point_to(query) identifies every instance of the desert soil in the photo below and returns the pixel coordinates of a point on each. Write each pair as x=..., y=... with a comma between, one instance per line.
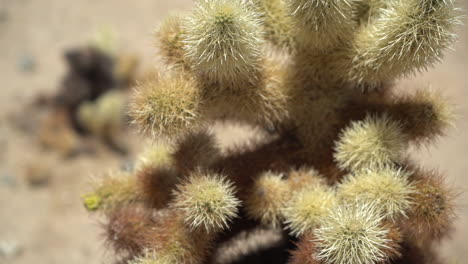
x=47, y=224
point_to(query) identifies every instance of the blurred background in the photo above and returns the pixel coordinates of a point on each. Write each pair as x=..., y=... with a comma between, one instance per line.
x=51, y=142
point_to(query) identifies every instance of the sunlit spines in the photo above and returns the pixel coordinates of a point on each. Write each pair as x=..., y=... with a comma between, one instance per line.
x=303, y=212
x=277, y=22
x=166, y=104
x=114, y=190
x=267, y=198
x=388, y=188
x=368, y=10
x=408, y=36
x=169, y=38
x=375, y=142
x=352, y=235
x=151, y=257
x=223, y=42
x=424, y=115
x=206, y=201
x=155, y=154
x=303, y=178
x=322, y=24
x=433, y=208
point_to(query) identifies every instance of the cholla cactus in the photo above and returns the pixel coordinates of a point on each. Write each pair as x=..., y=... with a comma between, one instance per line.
x=331, y=175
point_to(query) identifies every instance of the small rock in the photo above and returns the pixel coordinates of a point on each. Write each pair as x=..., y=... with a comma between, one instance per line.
x=27, y=63
x=9, y=249
x=38, y=174
x=7, y=179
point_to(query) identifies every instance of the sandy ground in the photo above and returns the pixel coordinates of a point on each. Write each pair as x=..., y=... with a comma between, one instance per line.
x=49, y=224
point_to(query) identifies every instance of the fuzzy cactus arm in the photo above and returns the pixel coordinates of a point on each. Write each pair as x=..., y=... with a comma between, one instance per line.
x=204, y=205
x=223, y=42
x=165, y=165
x=375, y=142
x=126, y=228
x=166, y=104
x=306, y=207
x=297, y=198
x=323, y=24
x=264, y=103
x=159, y=237
x=169, y=41
x=112, y=191
x=389, y=188
x=407, y=36
x=155, y=183
x=425, y=115
x=206, y=201
x=195, y=149
x=432, y=209
x=355, y=234
x=277, y=22
x=305, y=251
x=266, y=198
x=350, y=234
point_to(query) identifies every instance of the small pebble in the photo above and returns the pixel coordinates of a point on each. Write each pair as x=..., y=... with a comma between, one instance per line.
x=37, y=174
x=9, y=249
x=27, y=63
x=7, y=179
